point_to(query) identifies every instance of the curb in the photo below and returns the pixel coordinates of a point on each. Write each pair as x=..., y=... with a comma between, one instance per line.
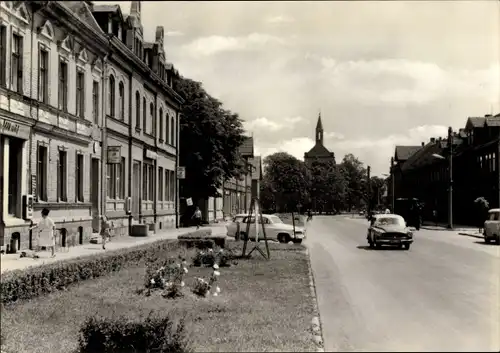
x=315, y=322
x=471, y=235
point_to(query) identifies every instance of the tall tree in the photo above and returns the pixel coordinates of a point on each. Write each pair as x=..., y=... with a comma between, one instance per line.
x=289, y=180
x=355, y=174
x=210, y=137
x=328, y=186
x=377, y=188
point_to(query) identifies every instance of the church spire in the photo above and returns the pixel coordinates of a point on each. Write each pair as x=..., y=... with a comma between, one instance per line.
x=319, y=131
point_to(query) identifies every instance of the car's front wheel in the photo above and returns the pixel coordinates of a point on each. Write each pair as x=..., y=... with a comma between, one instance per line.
x=283, y=238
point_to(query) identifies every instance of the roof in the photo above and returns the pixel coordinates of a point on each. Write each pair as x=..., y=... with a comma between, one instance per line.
x=475, y=122
x=105, y=8
x=246, y=148
x=318, y=151
x=402, y=153
x=493, y=121
x=422, y=157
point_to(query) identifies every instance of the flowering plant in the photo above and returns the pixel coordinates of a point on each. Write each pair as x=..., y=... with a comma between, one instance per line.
x=202, y=287
x=169, y=277
x=211, y=257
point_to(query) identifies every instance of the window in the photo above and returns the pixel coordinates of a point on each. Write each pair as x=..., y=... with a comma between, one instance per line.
x=137, y=110
x=151, y=113
x=112, y=96
x=121, y=101
x=172, y=185
x=160, y=184
x=172, y=131
x=144, y=117
x=161, y=124
x=3, y=55
x=62, y=176
x=41, y=173
x=80, y=94
x=63, y=86
x=115, y=179
x=79, y=177
x=17, y=63
x=148, y=185
x=167, y=129
x=43, y=76
x=494, y=158
x=167, y=185
x=95, y=101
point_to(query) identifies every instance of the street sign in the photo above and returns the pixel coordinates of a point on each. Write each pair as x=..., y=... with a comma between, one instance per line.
x=181, y=172
x=189, y=201
x=114, y=154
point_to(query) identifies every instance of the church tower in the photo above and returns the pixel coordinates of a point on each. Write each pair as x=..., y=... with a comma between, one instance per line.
x=319, y=152
x=319, y=131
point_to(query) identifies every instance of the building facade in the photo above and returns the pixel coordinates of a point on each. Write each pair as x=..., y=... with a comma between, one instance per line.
x=319, y=152
x=69, y=85
x=476, y=171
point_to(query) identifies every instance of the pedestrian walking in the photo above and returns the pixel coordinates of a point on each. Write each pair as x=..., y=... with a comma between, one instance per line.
x=309, y=216
x=197, y=217
x=45, y=233
x=105, y=231
x=435, y=217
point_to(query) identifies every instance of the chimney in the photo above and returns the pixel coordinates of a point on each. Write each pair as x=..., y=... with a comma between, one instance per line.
x=433, y=140
x=423, y=144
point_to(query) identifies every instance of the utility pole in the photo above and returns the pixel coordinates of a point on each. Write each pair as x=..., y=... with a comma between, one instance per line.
x=393, y=184
x=450, y=187
x=369, y=187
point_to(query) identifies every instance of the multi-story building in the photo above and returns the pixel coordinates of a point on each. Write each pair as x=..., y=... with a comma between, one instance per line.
x=476, y=170
x=237, y=192
x=89, y=120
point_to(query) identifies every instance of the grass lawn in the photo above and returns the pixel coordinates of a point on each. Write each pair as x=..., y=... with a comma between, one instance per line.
x=263, y=306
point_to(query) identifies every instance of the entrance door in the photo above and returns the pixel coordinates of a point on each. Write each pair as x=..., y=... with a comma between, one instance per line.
x=136, y=190
x=94, y=193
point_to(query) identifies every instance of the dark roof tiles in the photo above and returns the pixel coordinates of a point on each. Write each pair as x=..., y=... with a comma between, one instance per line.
x=402, y=153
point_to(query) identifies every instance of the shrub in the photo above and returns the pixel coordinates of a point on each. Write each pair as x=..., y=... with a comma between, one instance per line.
x=152, y=334
x=219, y=240
x=169, y=276
x=35, y=281
x=197, y=243
x=202, y=286
x=221, y=257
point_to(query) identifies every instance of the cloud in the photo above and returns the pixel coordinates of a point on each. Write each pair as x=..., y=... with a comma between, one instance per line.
x=211, y=45
x=400, y=81
x=333, y=136
x=295, y=146
x=279, y=19
x=174, y=34
x=265, y=124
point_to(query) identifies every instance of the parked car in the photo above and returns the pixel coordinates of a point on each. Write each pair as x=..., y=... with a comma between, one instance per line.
x=389, y=229
x=232, y=226
x=274, y=226
x=492, y=226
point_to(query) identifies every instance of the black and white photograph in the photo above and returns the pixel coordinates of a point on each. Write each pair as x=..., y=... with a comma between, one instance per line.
x=249, y=176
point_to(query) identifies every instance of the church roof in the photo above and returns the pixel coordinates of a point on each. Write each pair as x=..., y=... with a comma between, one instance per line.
x=319, y=151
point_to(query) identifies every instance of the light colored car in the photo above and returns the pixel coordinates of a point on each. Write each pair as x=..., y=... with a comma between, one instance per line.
x=232, y=226
x=492, y=226
x=274, y=226
x=389, y=229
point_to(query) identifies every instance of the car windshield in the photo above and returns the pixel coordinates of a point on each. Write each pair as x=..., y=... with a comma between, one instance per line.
x=274, y=219
x=494, y=216
x=390, y=221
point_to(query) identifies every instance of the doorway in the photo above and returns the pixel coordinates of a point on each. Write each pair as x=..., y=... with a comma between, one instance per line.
x=136, y=190
x=94, y=193
x=80, y=235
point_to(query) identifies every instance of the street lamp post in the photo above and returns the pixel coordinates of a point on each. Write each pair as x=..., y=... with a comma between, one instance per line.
x=450, y=176
x=369, y=187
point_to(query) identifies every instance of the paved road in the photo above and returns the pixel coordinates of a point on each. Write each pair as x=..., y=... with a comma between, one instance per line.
x=441, y=295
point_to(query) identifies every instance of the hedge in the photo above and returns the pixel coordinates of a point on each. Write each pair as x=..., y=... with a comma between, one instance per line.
x=153, y=334
x=202, y=241
x=35, y=281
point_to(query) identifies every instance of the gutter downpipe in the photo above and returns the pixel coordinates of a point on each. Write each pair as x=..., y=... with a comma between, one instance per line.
x=177, y=144
x=104, y=143
x=130, y=159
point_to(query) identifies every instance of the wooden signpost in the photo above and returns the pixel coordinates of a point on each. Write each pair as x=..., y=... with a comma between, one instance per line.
x=255, y=208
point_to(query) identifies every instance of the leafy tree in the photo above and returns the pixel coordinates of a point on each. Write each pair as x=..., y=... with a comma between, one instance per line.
x=288, y=181
x=210, y=137
x=328, y=186
x=355, y=174
x=377, y=188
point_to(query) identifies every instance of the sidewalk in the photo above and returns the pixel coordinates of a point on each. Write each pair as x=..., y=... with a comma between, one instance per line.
x=11, y=262
x=444, y=226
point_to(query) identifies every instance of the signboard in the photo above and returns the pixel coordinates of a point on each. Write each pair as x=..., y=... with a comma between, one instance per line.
x=114, y=154
x=33, y=184
x=181, y=172
x=11, y=128
x=189, y=201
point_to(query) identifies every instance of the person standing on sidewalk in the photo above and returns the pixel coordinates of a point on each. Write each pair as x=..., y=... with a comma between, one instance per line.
x=45, y=233
x=197, y=217
x=105, y=231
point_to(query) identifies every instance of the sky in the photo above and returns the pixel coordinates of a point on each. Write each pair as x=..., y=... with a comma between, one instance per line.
x=381, y=73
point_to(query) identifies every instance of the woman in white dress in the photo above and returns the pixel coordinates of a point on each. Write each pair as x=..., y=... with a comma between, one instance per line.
x=46, y=229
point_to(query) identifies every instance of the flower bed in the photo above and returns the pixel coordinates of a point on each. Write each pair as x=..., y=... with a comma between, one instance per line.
x=32, y=282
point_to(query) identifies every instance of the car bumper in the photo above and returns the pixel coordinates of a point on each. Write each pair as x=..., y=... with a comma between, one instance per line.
x=394, y=241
